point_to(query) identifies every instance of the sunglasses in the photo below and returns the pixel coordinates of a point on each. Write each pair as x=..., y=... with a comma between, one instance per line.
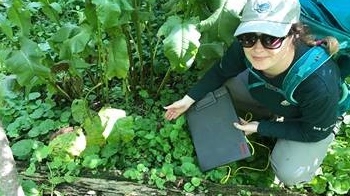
x=248, y=40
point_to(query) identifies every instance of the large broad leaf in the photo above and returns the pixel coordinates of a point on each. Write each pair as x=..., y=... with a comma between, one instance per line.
x=181, y=42
x=112, y=13
x=22, y=148
x=5, y=26
x=123, y=131
x=6, y=86
x=51, y=10
x=91, y=15
x=70, y=39
x=80, y=110
x=224, y=20
x=20, y=17
x=208, y=53
x=118, y=58
x=76, y=43
x=94, y=131
x=26, y=63
x=91, y=122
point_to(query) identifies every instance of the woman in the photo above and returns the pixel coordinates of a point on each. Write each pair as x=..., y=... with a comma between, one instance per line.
x=271, y=39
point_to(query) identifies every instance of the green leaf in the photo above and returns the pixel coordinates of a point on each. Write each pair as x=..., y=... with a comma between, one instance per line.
x=42, y=153
x=20, y=17
x=196, y=181
x=118, y=58
x=38, y=113
x=65, y=116
x=27, y=64
x=33, y=95
x=123, y=130
x=141, y=167
x=109, y=150
x=224, y=20
x=31, y=188
x=168, y=171
x=94, y=131
x=92, y=161
x=133, y=174
x=69, y=179
x=112, y=13
x=56, y=163
x=7, y=84
x=63, y=34
x=319, y=184
x=70, y=39
x=90, y=14
x=51, y=10
x=174, y=135
x=22, y=148
x=189, y=169
x=181, y=42
x=43, y=128
x=340, y=184
x=107, y=12
x=5, y=26
x=208, y=53
x=76, y=43
x=31, y=169
x=188, y=187
x=80, y=110
x=56, y=180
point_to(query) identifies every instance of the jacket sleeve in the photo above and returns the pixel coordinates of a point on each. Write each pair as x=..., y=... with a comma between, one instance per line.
x=230, y=65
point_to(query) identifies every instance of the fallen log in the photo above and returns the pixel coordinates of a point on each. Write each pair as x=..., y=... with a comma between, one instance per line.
x=84, y=186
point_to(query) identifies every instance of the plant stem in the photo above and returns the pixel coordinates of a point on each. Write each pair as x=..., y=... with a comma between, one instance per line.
x=165, y=79
x=59, y=89
x=154, y=53
x=137, y=22
x=132, y=69
x=93, y=88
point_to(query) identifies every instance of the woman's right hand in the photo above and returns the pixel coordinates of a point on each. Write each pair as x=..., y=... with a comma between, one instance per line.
x=178, y=107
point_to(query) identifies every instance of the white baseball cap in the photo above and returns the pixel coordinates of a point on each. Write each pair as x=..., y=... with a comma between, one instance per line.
x=272, y=17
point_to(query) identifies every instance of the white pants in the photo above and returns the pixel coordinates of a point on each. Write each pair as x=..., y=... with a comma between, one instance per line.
x=293, y=162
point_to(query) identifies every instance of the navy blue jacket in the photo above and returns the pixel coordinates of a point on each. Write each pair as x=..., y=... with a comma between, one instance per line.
x=311, y=120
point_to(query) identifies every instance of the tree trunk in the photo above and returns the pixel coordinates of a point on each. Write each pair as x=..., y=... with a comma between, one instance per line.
x=9, y=184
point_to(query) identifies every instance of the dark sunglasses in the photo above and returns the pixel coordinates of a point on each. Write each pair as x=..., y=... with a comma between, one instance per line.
x=248, y=40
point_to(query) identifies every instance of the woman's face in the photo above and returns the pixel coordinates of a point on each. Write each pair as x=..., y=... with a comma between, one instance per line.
x=271, y=61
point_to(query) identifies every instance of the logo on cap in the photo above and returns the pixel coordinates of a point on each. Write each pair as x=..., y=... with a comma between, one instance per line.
x=262, y=7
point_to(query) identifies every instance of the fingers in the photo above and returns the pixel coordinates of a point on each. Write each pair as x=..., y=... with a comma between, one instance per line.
x=239, y=126
x=248, y=127
x=242, y=128
x=242, y=121
x=171, y=114
x=173, y=111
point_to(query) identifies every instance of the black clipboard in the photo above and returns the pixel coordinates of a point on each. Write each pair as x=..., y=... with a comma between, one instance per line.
x=216, y=141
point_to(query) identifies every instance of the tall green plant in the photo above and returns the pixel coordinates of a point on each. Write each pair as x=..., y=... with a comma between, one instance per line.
x=199, y=35
x=103, y=42
x=109, y=39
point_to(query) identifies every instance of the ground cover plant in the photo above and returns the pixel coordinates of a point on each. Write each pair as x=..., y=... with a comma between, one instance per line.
x=84, y=82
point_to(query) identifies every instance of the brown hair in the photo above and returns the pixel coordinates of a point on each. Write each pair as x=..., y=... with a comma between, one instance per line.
x=303, y=33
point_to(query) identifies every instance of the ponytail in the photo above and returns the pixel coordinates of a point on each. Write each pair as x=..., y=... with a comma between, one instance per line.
x=302, y=33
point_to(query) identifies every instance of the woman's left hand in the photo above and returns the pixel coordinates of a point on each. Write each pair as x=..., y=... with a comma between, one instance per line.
x=247, y=127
